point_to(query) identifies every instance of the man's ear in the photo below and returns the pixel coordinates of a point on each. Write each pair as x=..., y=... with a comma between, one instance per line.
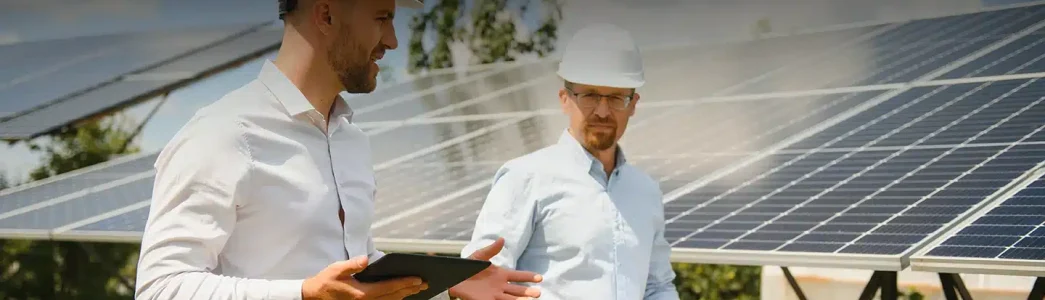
x=634, y=100
x=563, y=97
x=322, y=16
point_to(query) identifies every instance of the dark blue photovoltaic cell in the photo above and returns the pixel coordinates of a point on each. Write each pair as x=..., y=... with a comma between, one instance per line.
x=1015, y=229
x=133, y=221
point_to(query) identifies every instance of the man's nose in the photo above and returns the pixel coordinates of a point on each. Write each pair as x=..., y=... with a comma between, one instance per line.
x=602, y=108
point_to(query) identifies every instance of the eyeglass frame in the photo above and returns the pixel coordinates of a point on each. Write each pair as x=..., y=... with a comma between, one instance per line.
x=577, y=96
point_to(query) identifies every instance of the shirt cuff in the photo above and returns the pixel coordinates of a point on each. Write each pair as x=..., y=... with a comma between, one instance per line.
x=286, y=289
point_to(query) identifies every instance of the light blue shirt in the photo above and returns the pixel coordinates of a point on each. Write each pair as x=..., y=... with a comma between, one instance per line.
x=589, y=237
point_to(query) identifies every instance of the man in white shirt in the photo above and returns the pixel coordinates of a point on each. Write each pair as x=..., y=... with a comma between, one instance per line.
x=577, y=212
x=268, y=193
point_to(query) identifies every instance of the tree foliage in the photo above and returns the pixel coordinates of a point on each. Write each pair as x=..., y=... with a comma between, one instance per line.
x=71, y=270
x=715, y=282
x=489, y=31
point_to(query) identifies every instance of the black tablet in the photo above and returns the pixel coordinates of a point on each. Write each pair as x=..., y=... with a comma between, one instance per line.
x=440, y=272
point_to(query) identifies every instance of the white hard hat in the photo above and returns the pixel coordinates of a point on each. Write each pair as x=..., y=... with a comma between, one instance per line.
x=603, y=55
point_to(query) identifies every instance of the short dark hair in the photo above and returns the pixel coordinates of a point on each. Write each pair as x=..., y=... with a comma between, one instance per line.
x=286, y=6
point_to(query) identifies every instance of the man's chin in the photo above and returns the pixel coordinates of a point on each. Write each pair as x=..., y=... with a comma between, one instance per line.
x=599, y=141
x=362, y=87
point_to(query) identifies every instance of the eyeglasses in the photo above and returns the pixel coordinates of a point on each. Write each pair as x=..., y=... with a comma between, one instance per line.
x=591, y=100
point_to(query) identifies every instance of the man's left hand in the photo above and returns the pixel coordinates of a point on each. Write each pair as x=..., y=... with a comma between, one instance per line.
x=495, y=283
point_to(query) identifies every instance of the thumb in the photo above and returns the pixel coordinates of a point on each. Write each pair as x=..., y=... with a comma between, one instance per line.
x=349, y=267
x=488, y=252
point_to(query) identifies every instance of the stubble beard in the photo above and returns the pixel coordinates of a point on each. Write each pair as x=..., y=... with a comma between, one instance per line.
x=600, y=141
x=351, y=62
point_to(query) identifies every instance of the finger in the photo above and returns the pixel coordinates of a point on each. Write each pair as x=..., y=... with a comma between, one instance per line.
x=488, y=252
x=522, y=291
x=391, y=286
x=522, y=276
x=403, y=293
x=348, y=267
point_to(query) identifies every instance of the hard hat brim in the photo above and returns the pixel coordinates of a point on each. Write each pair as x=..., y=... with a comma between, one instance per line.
x=417, y=4
x=629, y=81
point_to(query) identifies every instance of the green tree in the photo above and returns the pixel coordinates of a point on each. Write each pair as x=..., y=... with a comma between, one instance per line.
x=715, y=282
x=491, y=34
x=72, y=270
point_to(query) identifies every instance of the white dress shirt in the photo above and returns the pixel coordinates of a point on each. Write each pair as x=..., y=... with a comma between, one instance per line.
x=590, y=235
x=246, y=198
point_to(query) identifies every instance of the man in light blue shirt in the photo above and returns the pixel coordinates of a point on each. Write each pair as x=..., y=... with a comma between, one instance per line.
x=577, y=212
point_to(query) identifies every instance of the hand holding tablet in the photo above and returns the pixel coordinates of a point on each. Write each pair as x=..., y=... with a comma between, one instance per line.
x=466, y=278
x=439, y=272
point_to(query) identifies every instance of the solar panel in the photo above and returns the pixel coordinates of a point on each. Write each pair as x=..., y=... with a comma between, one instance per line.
x=249, y=44
x=834, y=194
x=135, y=86
x=1007, y=237
x=95, y=201
x=85, y=105
x=18, y=199
x=64, y=69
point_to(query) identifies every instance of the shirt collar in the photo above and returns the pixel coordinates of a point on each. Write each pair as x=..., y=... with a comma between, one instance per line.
x=583, y=159
x=291, y=97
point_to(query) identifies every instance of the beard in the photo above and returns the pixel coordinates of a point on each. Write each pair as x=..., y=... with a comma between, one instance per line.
x=351, y=62
x=600, y=140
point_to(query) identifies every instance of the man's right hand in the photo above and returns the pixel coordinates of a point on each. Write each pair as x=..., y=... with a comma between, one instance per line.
x=336, y=282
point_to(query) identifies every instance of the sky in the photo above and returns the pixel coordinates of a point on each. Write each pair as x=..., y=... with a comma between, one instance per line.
x=652, y=22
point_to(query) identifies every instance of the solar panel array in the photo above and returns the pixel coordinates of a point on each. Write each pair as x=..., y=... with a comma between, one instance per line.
x=48, y=84
x=848, y=148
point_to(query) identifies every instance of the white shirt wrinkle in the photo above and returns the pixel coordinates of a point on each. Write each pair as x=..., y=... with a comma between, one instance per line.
x=246, y=197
